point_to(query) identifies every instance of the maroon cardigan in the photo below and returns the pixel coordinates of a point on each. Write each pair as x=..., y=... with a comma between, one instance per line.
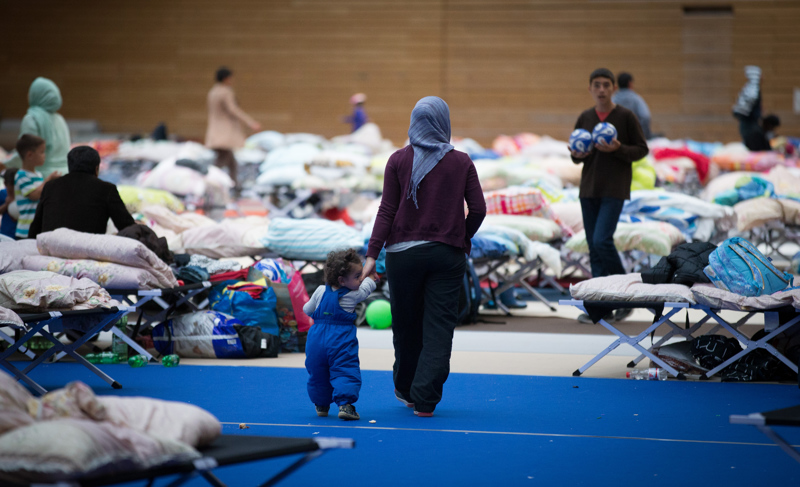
x=440, y=195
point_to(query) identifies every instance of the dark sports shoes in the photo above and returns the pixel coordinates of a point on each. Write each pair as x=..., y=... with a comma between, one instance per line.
x=402, y=399
x=348, y=412
x=584, y=318
x=322, y=411
x=422, y=414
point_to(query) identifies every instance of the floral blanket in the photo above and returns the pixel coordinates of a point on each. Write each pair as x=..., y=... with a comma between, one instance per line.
x=108, y=275
x=39, y=291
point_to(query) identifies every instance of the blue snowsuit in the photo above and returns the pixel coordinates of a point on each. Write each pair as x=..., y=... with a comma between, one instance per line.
x=334, y=374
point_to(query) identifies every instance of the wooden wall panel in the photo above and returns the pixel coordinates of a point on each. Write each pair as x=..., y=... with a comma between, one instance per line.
x=504, y=66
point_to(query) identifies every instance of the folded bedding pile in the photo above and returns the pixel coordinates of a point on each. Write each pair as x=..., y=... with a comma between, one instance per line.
x=70, y=433
x=109, y=260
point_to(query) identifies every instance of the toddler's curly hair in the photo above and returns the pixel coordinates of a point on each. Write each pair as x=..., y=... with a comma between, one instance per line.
x=339, y=264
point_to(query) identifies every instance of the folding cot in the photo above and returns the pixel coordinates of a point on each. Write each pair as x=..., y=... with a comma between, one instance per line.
x=509, y=271
x=166, y=301
x=663, y=313
x=773, y=326
x=224, y=451
x=90, y=322
x=764, y=421
x=772, y=238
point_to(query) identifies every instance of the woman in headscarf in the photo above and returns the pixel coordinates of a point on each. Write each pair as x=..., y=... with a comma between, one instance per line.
x=42, y=120
x=421, y=221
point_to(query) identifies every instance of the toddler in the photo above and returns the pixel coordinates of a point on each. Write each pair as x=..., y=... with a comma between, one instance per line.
x=334, y=374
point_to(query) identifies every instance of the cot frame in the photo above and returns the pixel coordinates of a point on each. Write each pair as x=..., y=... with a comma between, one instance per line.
x=215, y=456
x=765, y=421
x=137, y=298
x=670, y=309
x=35, y=324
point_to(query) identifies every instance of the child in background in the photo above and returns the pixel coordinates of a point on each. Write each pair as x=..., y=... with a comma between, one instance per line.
x=28, y=182
x=8, y=225
x=359, y=116
x=334, y=374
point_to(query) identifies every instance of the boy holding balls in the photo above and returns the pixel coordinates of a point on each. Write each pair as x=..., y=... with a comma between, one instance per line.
x=606, y=176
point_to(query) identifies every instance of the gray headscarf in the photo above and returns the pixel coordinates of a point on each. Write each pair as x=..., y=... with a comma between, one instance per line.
x=429, y=134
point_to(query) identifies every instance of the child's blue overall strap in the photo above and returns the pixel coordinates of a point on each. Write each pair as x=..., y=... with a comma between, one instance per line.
x=328, y=310
x=334, y=373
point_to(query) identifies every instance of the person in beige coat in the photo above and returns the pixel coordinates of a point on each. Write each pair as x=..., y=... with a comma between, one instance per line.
x=225, y=118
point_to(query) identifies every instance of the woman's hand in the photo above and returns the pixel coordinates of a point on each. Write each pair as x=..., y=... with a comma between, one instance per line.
x=369, y=268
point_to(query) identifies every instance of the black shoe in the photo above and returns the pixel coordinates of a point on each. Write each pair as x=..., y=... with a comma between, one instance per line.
x=584, y=318
x=622, y=313
x=322, y=411
x=348, y=412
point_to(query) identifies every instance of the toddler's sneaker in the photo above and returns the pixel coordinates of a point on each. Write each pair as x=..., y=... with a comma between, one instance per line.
x=348, y=412
x=402, y=399
x=322, y=411
x=422, y=414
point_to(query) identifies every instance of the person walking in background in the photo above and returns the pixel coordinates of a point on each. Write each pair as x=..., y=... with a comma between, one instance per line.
x=747, y=110
x=225, y=134
x=631, y=100
x=42, y=120
x=421, y=221
x=606, y=176
x=359, y=116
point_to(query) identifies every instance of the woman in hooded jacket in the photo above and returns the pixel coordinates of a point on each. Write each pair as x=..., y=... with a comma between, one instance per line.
x=43, y=120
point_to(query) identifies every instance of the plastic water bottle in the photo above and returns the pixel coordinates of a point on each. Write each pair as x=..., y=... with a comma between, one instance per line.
x=170, y=360
x=102, y=358
x=118, y=346
x=653, y=373
x=137, y=361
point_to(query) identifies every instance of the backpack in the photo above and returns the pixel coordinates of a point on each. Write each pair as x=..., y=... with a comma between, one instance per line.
x=737, y=266
x=469, y=299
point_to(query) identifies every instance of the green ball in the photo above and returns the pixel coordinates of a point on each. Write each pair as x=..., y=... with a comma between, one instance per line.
x=379, y=314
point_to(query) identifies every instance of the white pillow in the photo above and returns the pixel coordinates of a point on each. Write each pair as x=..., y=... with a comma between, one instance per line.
x=629, y=287
x=714, y=297
x=11, y=254
x=167, y=419
x=65, y=449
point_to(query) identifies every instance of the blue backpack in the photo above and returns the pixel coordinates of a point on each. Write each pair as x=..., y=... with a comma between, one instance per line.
x=737, y=266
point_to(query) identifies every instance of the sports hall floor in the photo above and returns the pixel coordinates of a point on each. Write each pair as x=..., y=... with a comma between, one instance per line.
x=512, y=414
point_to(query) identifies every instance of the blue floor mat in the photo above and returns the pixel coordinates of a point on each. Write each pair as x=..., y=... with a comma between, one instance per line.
x=489, y=429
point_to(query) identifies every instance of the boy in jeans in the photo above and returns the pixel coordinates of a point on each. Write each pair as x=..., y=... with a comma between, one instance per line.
x=28, y=182
x=606, y=176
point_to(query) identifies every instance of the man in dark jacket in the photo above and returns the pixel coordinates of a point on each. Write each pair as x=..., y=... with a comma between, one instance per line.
x=80, y=200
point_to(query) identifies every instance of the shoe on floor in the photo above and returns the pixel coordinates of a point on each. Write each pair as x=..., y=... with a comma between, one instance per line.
x=402, y=399
x=622, y=313
x=348, y=412
x=322, y=411
x=423, y=414
x=584, y=318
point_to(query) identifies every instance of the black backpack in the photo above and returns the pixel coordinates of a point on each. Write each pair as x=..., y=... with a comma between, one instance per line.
x=469, y=300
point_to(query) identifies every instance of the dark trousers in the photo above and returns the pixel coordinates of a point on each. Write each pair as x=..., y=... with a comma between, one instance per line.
x=424, y=285
x=225, y=158
x=600, y=217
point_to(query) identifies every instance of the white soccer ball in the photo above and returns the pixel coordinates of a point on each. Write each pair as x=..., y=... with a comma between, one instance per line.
x=605, y=132
x=580, y=140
